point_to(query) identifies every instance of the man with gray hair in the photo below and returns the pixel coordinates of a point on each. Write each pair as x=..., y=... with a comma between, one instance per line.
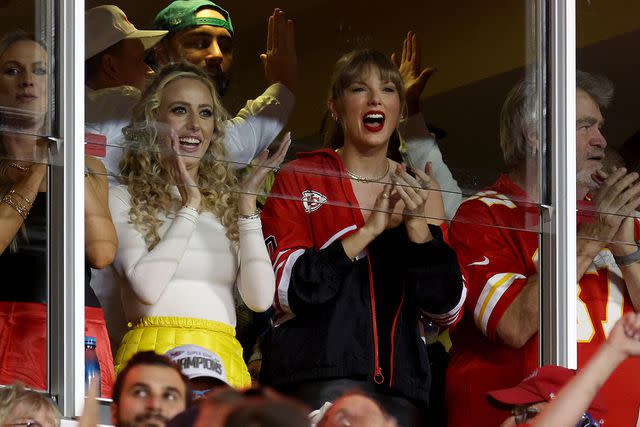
x=495, y=234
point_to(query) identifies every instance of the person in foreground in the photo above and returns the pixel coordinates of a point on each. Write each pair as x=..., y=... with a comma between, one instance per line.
x=21, y=407
x=558, y=397
x=355, y=255
x=354, y=409
x=149, y=391
x=189, y=232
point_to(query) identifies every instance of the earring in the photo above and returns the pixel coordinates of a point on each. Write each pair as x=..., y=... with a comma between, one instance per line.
x=334, y=117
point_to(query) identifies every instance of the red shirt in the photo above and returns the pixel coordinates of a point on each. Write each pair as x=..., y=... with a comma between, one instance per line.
x=495, y=235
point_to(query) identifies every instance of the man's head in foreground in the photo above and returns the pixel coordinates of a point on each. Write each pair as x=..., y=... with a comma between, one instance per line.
x=149, y=391
x=355, y=409
x=115, y=49
x=527, y=399
x=200, y=32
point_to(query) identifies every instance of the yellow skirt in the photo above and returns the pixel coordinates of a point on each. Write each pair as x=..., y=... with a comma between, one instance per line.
x=161, y=334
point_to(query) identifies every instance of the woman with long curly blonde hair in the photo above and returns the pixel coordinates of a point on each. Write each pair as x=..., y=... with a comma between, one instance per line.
x=189, y=232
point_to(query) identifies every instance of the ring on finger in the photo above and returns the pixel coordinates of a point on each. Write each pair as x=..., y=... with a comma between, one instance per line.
x=385, y=195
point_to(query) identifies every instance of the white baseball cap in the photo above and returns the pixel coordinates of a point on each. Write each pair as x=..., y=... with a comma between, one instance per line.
x=195, y=361
x=107, y=25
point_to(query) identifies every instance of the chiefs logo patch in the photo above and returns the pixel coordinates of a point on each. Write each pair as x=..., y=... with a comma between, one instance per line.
x=312, y=200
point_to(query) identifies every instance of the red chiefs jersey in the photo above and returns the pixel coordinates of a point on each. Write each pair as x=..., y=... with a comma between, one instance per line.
x=495, y=237
x=602, y=300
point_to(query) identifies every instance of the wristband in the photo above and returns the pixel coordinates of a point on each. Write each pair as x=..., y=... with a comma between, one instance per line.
x=192, y=208
x=254, y=215
x=632, y=258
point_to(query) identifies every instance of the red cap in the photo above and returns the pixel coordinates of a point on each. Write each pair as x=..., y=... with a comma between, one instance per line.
x=542, y=385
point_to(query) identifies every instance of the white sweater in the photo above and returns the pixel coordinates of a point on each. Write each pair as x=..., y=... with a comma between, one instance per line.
x=192, y=271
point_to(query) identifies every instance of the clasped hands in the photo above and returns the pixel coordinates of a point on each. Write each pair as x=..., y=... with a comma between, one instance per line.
x=408, y=199
x=616, y=201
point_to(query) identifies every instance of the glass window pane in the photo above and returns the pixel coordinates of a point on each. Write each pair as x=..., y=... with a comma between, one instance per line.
x=27, y=135
x=608, y=227
x=490, y=165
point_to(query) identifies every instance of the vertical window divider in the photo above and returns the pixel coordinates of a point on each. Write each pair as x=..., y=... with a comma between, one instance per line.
x=558, y=183
x=67, y=259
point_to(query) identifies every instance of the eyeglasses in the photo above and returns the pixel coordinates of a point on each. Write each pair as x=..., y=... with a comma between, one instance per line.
x=26, y=423
x=588, y=421
x=524, y=413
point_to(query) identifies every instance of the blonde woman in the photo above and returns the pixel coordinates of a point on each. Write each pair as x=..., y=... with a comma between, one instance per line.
x=21, y=407
x=189, y=232
x=24, y=77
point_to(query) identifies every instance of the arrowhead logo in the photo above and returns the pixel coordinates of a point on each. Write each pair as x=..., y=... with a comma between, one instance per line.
x=312, y=200
x=485, y=261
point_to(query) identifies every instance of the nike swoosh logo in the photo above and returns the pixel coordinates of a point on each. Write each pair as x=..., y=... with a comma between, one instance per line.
x=485, y=261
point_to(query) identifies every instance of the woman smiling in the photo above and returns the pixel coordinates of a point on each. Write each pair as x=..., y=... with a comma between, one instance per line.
x=187, y=233
x=357, y=256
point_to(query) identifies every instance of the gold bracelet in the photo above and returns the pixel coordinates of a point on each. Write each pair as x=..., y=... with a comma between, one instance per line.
x=23, y=210
x=26, y=199
x=19, y=167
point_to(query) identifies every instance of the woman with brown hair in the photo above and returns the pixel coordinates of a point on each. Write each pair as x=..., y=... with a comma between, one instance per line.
x=358, y=255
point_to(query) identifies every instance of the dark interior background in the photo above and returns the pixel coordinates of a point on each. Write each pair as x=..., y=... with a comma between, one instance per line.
x=479, y=49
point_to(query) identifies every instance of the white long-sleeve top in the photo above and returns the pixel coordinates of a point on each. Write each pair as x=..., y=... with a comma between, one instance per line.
x=192, y=271
x=421, y=148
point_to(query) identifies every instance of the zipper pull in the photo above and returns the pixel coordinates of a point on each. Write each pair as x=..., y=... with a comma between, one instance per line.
x=378, y=378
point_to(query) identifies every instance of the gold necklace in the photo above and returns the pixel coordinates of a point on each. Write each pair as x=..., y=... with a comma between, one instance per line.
x=365, y=179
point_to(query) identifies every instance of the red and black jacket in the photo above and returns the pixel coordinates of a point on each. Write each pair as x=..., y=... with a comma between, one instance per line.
x=339, y=318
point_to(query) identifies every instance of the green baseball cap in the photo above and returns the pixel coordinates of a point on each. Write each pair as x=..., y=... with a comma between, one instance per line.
x=181, y=14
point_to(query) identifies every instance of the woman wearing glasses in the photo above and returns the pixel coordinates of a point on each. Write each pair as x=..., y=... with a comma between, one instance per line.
x=26, y=408
x=558, y=397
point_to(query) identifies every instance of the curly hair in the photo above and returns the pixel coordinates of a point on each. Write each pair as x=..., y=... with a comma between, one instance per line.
x=146, y=172
x=32, y=402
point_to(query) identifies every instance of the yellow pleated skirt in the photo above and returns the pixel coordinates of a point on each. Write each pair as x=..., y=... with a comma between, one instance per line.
x=161, y=334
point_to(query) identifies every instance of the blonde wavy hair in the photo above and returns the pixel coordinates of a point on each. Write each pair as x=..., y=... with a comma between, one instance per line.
x=145, y=169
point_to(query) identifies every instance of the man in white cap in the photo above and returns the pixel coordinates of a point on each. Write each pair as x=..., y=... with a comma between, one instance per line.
x=204, y=368
x=114, y=49
x=115, y=72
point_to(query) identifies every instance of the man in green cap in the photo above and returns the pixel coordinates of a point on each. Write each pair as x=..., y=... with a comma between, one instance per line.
x=201, y=32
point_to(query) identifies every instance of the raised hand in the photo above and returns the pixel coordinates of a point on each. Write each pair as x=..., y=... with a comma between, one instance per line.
x=253, y=181
x=90, y=411
x=188, y=188
x=625, y=335
x=413, y=76
x=280, y=61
